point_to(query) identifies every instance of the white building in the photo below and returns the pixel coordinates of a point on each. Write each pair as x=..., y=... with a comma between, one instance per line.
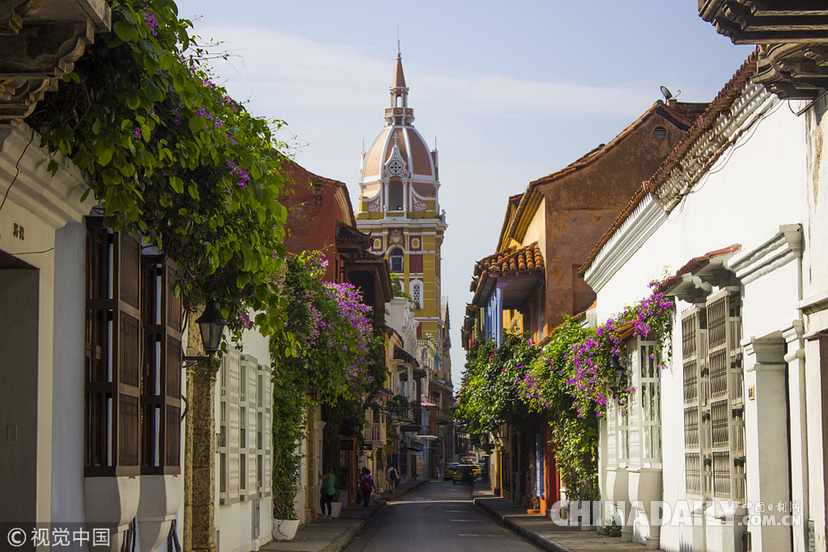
x=724, y=429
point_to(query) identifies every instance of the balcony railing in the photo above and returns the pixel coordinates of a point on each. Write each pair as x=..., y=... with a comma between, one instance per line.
x=374, y=433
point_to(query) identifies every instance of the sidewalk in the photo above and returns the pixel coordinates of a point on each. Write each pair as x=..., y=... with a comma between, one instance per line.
x=333, y=535
x=542, y=531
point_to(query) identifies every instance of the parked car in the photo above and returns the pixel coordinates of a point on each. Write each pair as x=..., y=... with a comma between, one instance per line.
x=465, y=473
x=475, y=470
x=448, y=473
x=460, y=474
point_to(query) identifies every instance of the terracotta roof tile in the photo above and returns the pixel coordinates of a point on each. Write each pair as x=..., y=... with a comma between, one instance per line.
x=693, y=264
x=525, y=259
x=723, y=101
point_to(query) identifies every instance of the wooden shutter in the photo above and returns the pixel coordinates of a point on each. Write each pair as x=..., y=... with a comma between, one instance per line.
x=113, y=352
x=161, y=378
x=99, y=388
x=231, y=364
x=693, y=345
x=726, y=400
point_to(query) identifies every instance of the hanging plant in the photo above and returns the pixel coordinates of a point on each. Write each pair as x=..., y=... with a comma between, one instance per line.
x=170, y=155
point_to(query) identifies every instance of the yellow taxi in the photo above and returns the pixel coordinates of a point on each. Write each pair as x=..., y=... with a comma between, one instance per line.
x=462, y=469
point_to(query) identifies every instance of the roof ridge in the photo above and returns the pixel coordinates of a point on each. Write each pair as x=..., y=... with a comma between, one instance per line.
x=723, y=100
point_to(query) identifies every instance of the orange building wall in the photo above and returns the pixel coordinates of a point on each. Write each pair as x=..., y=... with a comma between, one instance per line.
x=313, y=212
x=581, y=206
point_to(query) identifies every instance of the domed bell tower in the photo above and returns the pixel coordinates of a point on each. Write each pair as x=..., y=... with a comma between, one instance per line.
x=399, y=205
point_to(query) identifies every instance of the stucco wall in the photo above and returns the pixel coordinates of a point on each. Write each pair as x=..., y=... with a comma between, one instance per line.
x=581, y=206
x=748, y=193
x=68, y=375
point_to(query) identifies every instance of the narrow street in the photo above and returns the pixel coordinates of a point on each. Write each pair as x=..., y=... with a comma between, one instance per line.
x=440, y=516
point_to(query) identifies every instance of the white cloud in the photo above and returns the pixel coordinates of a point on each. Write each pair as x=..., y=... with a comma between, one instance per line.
x=296, y=72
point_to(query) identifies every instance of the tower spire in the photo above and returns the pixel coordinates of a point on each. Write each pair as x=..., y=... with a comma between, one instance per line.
x=399, y=113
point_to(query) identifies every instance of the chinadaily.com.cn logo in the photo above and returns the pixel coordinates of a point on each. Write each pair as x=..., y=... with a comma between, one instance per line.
x=682, y=512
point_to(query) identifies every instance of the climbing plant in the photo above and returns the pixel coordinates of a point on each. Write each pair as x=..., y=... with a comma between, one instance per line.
x=489, y=394
x=570, y=379
x=169, y=154
x=328, y=354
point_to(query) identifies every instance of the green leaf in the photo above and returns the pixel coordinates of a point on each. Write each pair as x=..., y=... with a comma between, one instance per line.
x=133, y=101
x=177, y=184
x=96, y=126
x=124, y=31
x=242, y=279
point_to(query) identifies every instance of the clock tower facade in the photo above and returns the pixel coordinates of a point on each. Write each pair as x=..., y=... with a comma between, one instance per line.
x=399, y=206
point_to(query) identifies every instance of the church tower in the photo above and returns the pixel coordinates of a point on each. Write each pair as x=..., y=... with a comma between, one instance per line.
x=399, y=205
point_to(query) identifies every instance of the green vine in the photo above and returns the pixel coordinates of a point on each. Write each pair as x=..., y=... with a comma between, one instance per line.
x=331, y=352
x=570, y=379
x=489, y=394
x=170, y=155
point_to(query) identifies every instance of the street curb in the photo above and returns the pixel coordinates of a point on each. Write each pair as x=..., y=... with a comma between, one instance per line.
x=531, y=536
x=345, y=538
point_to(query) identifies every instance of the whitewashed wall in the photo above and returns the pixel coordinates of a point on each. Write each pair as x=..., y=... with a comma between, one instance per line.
x=746, y=195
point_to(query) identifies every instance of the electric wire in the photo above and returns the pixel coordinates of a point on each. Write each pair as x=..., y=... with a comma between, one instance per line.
x=17, y=169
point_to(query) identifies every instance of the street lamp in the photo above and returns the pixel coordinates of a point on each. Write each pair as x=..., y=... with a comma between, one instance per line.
x=620, y=371
x=211, y=323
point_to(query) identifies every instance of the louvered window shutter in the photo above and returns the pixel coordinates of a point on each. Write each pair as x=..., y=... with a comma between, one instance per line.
x=113, y=352
x=713, y=398
x=692, y=355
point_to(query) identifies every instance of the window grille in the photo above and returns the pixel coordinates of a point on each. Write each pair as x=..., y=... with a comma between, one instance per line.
x=713, y=398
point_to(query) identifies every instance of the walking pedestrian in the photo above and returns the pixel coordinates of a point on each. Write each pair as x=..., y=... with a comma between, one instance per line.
x=366, y=486
x=328, y=491
x=393, y=477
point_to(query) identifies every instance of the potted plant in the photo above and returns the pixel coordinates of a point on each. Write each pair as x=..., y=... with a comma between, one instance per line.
x=336, y=505
x=285, y=485
x=288, y=423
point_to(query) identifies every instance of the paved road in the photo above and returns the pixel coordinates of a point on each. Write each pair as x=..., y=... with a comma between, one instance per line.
x=436, y=517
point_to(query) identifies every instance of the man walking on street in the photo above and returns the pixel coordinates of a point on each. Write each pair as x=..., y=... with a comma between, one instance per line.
x=393, y=477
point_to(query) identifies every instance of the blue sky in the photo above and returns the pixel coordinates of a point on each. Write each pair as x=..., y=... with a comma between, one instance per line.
x=510, y=91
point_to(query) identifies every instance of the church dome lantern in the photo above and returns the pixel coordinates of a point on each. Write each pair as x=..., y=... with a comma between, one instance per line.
x=399, y=151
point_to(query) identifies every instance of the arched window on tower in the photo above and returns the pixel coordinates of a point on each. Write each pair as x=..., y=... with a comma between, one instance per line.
x=395, y=257
x=395, y=196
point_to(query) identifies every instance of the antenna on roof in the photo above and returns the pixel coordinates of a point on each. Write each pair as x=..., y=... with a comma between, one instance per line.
x=398, y=40
x=669, y=95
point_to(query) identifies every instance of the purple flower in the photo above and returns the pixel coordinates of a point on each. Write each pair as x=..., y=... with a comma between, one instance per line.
x=137, y=132
x=152, y=23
